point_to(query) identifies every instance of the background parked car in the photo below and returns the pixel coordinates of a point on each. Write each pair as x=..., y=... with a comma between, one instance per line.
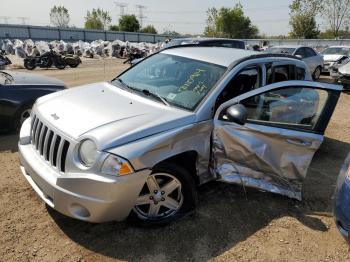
x=218, y=42
x=313, y=60
x=18, y=92
x=333, y=55
x=340, y=72
x=342, y=200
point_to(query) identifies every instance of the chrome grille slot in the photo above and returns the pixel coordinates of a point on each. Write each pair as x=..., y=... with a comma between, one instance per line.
x=49, y=145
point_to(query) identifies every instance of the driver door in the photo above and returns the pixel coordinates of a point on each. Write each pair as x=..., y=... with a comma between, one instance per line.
x=283, y=128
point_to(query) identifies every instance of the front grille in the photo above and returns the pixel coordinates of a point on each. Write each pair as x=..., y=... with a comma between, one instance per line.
x=49, y=145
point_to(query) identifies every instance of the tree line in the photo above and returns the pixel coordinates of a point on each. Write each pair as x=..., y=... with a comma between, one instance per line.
x=101, y=20
x=305, y=18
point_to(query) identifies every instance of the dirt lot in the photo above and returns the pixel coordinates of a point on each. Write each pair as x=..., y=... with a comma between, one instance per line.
x=227, y=226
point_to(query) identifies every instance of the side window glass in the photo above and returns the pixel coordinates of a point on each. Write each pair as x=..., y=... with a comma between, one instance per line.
x=246, y=80
x=279, y=73
x=311, y=52
x=301, y=73
x=301, y=52
x=295, y=107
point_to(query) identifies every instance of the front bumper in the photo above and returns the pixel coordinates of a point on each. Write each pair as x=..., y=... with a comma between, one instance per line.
x=327, y=67
x=89, y=197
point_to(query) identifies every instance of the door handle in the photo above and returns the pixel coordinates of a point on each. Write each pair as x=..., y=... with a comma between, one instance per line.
x=299, y=142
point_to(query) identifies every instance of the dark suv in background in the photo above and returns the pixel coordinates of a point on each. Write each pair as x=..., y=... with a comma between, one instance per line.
x=218, y=42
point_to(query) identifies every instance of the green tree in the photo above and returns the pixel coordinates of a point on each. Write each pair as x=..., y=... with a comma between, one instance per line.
x=59, y=16
x=229, y=22
x=114, y=28
x=303, y=18
x=150, y=29
x=337, y=15
x=129, y=23
x=97, y=19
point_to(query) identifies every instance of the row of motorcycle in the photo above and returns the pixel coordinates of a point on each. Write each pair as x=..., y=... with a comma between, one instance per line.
x=46, y=60
x=51, y=58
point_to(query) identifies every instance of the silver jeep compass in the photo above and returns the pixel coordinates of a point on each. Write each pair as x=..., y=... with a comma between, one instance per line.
x=140, y=145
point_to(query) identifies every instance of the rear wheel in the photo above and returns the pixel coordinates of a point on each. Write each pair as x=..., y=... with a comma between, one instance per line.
x=60, y=66
x=60, y=63
x=73, y=65
x=168, y=194
x=317, y=73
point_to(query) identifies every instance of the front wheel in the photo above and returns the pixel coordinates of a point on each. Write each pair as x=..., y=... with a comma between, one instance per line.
x=60, y=63
x=168, y=193
x=74, y=65
x=317, y=73
x=30, y=64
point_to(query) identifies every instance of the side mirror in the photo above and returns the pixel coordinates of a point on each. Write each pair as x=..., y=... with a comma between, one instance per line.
x=237, y=113
x=299, y=56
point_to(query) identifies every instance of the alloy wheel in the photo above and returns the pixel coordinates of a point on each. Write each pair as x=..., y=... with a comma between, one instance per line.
x=161, y=197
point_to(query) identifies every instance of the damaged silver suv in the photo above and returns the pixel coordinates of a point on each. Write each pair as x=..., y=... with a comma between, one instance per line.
x=140, y=145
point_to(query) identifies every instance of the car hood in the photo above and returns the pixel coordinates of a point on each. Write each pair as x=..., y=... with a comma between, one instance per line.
x=332, y=58
x=345, y=69
x=109, y=115
x=33, y=79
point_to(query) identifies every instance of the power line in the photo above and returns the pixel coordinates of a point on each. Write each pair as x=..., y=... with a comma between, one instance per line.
x=141, y=16
x=205, y=11
x=121, y=8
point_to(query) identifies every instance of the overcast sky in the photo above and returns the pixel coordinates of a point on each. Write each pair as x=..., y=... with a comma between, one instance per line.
x=184, y=16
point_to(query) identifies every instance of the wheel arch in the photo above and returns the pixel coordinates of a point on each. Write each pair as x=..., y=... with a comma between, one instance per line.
x=186, y=159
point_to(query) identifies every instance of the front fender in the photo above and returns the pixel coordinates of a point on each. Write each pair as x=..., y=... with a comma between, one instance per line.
x=147, y=152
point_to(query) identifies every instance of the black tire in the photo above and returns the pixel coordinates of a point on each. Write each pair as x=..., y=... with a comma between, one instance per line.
x=30, y=64
x=317, y=73
x=188, y=189
x=73, y=65
x=60, y=66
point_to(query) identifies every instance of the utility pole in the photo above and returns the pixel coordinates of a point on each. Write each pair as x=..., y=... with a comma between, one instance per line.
x=121, y=8
x=5, y=19
x=23, y=19
x=141, y=16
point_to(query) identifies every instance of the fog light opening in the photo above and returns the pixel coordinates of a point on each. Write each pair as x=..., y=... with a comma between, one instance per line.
x=79, y=211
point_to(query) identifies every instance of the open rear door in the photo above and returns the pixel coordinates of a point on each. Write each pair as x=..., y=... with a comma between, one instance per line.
x=273, y=148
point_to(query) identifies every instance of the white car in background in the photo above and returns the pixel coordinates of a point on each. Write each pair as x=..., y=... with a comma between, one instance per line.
x=334, y=55
x=313, y=60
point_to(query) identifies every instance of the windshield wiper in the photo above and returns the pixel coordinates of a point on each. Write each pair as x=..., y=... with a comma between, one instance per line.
x=126, y=86
x=155, y=95
x=144, y=91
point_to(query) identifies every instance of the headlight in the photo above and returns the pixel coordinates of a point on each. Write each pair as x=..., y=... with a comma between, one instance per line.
x=87, y=153
x=116, y=166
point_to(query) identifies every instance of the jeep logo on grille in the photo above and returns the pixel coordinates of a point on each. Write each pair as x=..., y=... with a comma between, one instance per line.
x=55, y=117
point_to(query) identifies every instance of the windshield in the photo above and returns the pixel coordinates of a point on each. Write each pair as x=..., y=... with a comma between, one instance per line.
x=5, y=78
x=336, y=51
x=281, y=50
x=179, y=81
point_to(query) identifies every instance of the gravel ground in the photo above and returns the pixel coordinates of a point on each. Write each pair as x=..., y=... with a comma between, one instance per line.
x=228, y=225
